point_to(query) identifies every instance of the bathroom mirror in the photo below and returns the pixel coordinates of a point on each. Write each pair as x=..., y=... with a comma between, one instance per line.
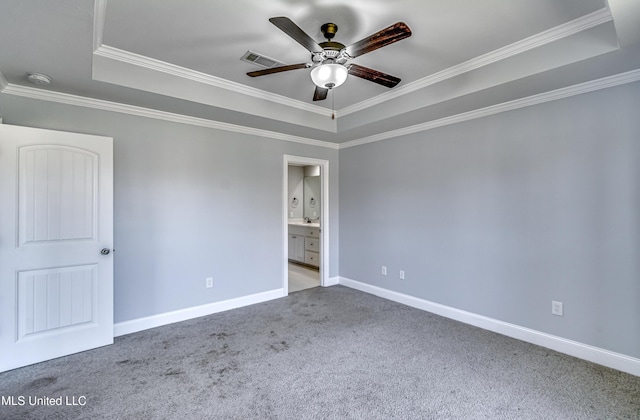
x=311, y=197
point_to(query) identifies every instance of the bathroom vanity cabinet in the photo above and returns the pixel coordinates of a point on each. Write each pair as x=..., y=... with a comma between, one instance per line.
x=304, y=244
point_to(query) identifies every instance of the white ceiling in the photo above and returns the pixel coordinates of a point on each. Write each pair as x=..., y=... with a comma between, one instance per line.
x=184, y=57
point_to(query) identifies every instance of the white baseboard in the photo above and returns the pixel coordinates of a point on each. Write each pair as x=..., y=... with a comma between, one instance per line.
x=573, y=348
x=332, y=281
x=140, y=324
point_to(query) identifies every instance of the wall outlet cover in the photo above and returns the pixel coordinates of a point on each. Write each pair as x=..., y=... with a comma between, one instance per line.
x=556, y=308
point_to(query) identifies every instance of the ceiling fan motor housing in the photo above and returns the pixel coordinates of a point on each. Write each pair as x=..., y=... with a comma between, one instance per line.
x=331, y=50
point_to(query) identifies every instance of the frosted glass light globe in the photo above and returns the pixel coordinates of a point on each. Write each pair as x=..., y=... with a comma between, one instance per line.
x=329, y=76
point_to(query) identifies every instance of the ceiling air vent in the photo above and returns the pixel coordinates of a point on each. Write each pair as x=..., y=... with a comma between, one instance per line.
x=260, y=60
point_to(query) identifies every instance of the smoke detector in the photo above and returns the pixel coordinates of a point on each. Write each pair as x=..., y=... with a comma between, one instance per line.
x=39, y=79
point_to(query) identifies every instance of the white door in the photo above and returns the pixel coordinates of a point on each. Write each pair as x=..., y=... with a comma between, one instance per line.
x=56, y=216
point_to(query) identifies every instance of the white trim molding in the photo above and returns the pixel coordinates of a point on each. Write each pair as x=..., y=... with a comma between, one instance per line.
x=149, y=63
x=67, y=99
x=546, y=37
x=99, y=17
x=324, y=216
x=140, y=324
x=64, y=98
x=554, y=95
x=593, y=354
x=565, y=30
x=332, y=281
x=3, y=82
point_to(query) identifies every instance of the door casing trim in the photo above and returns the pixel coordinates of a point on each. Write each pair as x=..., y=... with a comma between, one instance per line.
x=324, y=217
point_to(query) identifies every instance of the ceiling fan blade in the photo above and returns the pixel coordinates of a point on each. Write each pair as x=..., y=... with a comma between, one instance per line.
x=288, y=27
x=375, y=76
x=393, y=33
x=320, y=93
x=278, y=69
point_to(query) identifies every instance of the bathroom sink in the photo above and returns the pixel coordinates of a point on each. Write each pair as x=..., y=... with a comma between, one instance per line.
x=303, y=223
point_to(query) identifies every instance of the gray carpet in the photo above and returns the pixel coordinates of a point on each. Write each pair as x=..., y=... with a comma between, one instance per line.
x=323, y=353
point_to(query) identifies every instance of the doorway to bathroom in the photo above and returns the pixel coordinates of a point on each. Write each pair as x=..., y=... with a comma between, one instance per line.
x=305, y=223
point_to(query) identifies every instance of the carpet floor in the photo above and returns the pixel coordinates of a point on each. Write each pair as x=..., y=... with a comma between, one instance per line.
x=322, y=353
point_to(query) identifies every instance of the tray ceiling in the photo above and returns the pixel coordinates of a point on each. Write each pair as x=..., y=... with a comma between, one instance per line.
x=183, y=58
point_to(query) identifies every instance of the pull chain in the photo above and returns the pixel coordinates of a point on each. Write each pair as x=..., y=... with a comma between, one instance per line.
x=333, y=106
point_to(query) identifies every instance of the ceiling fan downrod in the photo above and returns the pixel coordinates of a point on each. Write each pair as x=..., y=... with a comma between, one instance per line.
x=329, y=30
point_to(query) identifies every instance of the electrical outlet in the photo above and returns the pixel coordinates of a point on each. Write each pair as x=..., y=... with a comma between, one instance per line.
x=209, y=283
x=556, y=308
x=401, y=274
x=383, y=271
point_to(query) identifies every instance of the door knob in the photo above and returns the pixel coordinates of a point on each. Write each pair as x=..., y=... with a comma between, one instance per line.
x=105, y=251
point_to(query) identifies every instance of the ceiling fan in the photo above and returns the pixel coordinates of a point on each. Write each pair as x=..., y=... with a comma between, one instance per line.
x=329, y=60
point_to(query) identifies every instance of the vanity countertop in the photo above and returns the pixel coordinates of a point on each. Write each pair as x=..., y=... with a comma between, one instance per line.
x=303, y=223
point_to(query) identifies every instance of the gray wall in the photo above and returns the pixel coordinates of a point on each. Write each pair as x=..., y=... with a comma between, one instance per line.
x=501, y=215
x=497, y=216
x=185, y=206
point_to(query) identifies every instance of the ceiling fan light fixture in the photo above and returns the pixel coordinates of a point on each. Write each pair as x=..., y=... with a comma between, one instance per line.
x=329, y=76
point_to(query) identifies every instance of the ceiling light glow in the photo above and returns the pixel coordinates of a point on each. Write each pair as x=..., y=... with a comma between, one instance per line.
x=329, y=76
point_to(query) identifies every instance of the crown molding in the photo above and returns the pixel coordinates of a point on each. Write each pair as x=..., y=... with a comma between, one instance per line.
x=573, y=27
x=68, y=99
x=3, y=82
x=99, y=18
x=100, y=14
x=626, y=15
x=598, y=84
x=196, y=76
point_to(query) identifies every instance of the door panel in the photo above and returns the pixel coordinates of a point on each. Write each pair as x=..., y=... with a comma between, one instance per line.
x=56, y=298
x=56, y=214
x=58, y=194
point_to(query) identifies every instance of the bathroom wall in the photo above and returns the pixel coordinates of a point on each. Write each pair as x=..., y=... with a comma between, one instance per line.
x=312, y=192
x=299, y=190
x=296, y=190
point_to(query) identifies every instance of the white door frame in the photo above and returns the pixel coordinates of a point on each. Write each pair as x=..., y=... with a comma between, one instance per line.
x=324, y=217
